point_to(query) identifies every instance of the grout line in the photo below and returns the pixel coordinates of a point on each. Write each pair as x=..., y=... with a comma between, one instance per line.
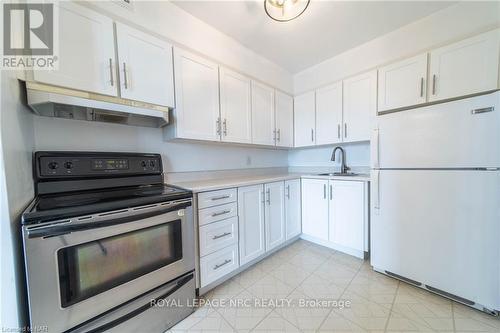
x=392, y=306
x=453, y=315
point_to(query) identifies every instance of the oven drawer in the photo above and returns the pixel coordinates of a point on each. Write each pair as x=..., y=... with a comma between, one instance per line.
x=214, y=198
x=218, y=235
x=218, y=264
x=212, y=214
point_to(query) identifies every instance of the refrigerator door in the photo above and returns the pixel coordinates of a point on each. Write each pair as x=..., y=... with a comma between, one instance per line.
x=458, y=134
x=439, y=228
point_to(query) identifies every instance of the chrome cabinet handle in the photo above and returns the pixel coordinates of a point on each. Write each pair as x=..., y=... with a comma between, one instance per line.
x=221, y=213
x=125, y=77
x=227, y=196
x=338, y=131
x=345, y=130
x=268, y=194
x=288, y=191
x=422, y=87
x=217, y=124
x=331, y=192
x=224, y=124
x=274, y=135
x=324, y=191
x=279, y=135
x=483, y=110
x=434, y=84
x=111, y=76
x=227, y=261
x=221, y=235
x=312, y=135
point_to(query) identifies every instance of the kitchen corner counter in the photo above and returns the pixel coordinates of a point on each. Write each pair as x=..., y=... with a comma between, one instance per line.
x=220, y=183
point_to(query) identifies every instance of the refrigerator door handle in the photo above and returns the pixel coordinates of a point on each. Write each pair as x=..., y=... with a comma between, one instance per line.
x=375, y=147
x=376, y=189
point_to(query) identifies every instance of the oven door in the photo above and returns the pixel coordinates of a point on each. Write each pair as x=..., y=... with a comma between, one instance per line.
x=79, y=268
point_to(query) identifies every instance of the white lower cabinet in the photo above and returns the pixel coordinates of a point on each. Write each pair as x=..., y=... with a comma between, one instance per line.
x=335, y=213
x=274, y=214
x=218, y=235
x=347, y=214
x=315, y=208
x=216, y=265
x=251, y=222
x=293, y=219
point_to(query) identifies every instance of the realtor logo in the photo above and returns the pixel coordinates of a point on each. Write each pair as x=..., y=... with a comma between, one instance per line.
x=28, y=36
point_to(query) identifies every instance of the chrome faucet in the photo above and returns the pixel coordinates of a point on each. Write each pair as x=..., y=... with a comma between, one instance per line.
x=343, y=167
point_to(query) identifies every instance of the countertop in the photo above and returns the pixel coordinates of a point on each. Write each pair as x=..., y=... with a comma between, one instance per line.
x=222, y=183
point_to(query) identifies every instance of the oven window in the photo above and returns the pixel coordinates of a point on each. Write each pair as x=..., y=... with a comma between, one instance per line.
x=90, y=268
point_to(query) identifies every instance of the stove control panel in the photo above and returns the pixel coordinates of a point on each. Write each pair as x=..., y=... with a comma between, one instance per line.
x=96, y=164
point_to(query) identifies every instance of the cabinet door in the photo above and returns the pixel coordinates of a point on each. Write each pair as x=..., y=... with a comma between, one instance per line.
x=196, y=97
x=464, y=68
x=235, y=107
x=315, y=208
x=86, y=57
x=403, y=83
x=329, y=114
x=146, y=67
x=347, y=214
x=262, y=114
x=360, y=106
x=293, y=221
x=274, y=214
x=284, y=120
x=251, y=222
x=304, y=109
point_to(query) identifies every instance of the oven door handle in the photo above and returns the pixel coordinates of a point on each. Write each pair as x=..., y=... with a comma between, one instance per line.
x=64, y=228
x=138, y=311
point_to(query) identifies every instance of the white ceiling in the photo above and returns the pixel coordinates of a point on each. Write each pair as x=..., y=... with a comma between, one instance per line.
x=326, y=28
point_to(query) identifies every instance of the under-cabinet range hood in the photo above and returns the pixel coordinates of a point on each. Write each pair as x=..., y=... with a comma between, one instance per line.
x=52, y=101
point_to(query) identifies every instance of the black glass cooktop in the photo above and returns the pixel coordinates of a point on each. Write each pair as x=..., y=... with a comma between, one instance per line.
x=64, y=205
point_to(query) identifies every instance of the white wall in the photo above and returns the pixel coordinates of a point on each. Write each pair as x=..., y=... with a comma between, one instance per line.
x=16, y=130
x=63, y=134
x=357, y=155
x=183, y=29
x=448, y=25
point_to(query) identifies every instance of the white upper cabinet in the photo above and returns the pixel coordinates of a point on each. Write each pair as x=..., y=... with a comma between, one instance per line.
x=145, y=67
x=86, y=52
x=274, y=214
x=284, y=120
x=347, y=214
x=315, y=208
x=262, y=114
x=329, y=114
x=196, y=96
x=235, y=107
x=305, y=119
x=293, y=221
x=360, y=106
x=251, y=223
x=464, y=68
x=403, y=83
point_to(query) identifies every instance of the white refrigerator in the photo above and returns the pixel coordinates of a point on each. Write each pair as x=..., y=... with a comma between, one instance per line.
x=435, y=198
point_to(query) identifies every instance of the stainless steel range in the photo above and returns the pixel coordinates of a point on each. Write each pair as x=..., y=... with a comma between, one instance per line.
x=104, y=241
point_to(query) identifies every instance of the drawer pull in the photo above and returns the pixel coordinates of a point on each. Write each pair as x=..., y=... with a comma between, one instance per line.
x=222, y=235
x=221, y=213
x=227, y=261
x=483, y=110
x=227, y=196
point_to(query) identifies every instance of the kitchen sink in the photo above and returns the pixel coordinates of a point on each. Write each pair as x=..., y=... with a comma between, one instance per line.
x=347, y=174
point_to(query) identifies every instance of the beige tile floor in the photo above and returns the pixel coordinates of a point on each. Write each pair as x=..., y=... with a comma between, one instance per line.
x=307, y=271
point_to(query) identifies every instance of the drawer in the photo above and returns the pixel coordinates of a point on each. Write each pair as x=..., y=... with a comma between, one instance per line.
x=217, y=213
x=214, y=198
x=218, y=264
x=218, y=235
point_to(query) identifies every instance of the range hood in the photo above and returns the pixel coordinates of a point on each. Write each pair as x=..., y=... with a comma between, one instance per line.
x=52, y=101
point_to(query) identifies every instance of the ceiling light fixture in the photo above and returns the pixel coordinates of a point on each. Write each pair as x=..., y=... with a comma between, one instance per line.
x=285, y=10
